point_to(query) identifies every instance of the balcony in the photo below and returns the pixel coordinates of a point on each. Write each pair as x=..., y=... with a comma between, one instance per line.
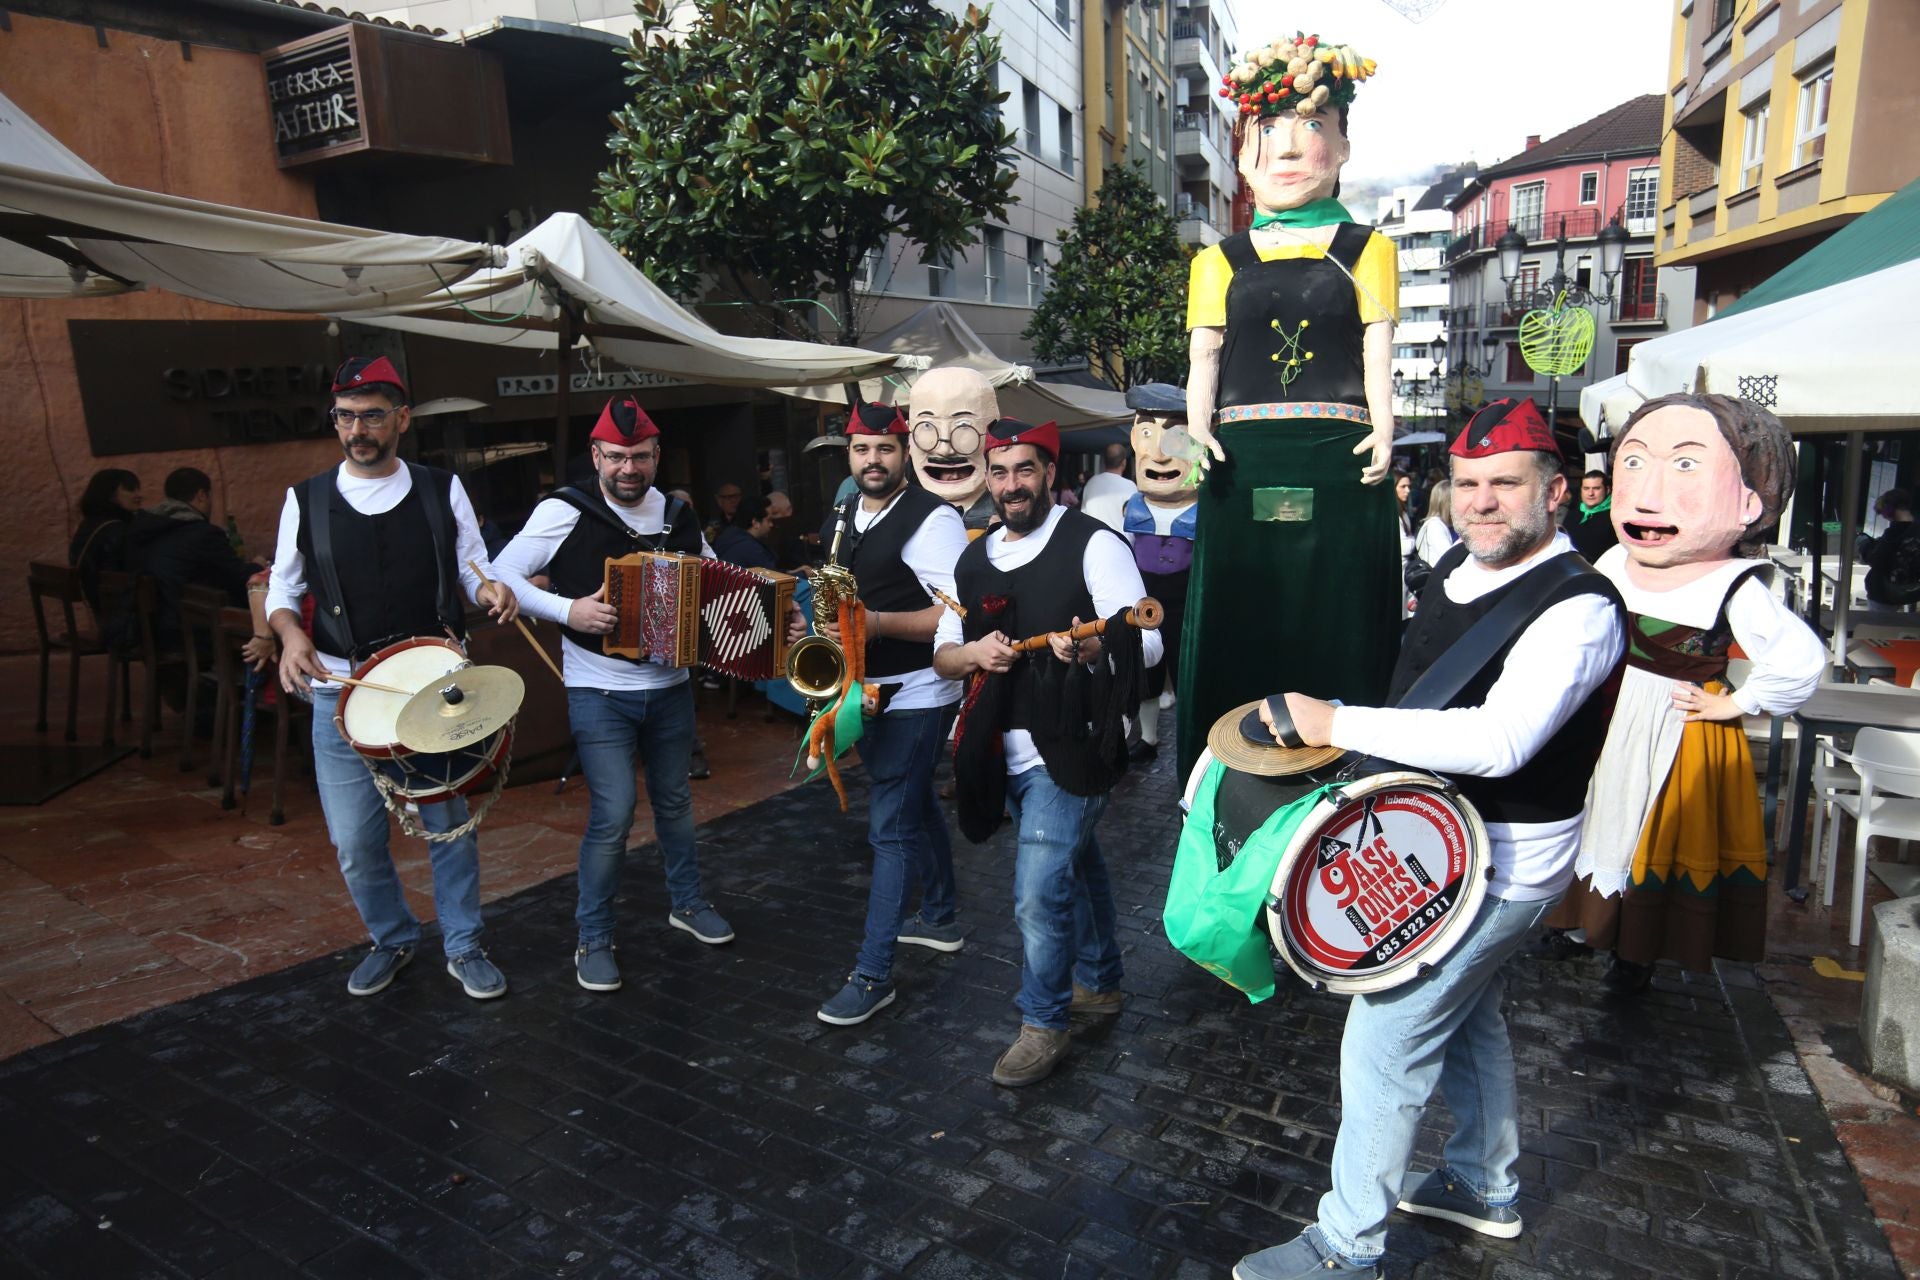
x=1196, y=229
x=1193, y=140
x=1649, y=312
x=1581, y=224
x=1190, y=50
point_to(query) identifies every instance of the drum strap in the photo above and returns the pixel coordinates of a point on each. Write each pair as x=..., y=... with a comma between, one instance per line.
x=320, y=491
x=1558, y=579
x=448, y=597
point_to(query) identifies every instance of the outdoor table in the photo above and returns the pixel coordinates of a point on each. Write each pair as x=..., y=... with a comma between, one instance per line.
x=1867, y=662
x=1833, y=709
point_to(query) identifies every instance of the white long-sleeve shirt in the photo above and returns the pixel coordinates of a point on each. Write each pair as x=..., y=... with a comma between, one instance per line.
x=1556, y=664
x=1113, y=580
x=533, y=549
x=370, y=498
x=931, y=552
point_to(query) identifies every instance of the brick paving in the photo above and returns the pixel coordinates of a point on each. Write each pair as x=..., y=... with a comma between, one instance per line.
x=701, y=1123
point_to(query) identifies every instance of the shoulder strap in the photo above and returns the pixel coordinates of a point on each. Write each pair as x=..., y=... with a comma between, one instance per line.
x=586, y=506
x=1239, y=251
x=1348, y=243
x=440, y=522
x=320, y=491
x=1560, y=578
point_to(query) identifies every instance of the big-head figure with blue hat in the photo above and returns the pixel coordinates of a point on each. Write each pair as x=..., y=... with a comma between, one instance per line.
x=1159, y=521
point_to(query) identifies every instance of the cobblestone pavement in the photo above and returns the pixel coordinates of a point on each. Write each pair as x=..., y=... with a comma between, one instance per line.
x=702, y=1123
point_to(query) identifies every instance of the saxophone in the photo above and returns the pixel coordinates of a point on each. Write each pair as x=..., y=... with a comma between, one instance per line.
x=815, y=663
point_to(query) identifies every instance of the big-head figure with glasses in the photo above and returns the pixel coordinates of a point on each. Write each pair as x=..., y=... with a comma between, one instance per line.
x=387, y=550
x=624, y=712
x=948, y=416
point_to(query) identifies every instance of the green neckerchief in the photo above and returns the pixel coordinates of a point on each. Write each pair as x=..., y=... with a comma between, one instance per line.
x=1314, y=213
x=1606, y=504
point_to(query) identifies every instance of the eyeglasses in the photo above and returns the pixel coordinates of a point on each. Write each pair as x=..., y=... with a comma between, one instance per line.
x=960, y=440
x=347, y=417
x=624, y=461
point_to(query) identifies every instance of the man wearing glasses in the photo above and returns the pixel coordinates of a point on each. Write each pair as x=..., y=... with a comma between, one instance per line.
x=621, y=709
x=385, y=548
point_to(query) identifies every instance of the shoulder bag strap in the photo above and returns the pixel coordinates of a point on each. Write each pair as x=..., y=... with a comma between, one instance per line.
x=586, y=506
x=320, y=491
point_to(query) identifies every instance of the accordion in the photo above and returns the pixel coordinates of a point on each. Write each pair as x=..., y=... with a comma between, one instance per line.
x=656, y=600
x=743, y=620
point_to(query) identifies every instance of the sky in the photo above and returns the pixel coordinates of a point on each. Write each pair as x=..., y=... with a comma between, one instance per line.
x=1475, y=77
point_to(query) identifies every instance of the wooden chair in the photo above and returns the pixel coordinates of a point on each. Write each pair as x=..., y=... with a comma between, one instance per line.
x=136, y=599
x=61, y=584
x=230, y=666
x=200, y=644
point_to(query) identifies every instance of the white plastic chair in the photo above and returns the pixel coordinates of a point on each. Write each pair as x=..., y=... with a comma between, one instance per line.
x=1888, y=804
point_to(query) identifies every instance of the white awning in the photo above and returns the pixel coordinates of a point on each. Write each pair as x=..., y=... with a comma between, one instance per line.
x=628, y=319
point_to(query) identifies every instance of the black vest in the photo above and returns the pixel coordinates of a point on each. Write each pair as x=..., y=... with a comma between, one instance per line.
x=1268, y=355
x=1045, y=594
x=579, y=567
x=887, y=583
x=392, y=576
x=1553, y=785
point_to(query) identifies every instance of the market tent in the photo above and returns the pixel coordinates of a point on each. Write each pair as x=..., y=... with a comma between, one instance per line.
x=937, y=333
x=65, y=231
x=624, y=316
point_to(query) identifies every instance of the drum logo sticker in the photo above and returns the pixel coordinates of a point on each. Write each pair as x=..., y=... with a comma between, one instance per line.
x=1386, y=871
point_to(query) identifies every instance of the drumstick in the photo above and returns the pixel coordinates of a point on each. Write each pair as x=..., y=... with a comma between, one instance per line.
x=368, y=684
x=959, y=610
x=520, y=622
x=1146, y=615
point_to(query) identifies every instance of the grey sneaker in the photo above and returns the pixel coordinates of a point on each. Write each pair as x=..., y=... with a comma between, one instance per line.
x=703, y=922
x=375, y=973
x=941, y=937
x=1032, y=1057
x=1442, y=1196
x=478, y=976
x=1300, y=1258
x=595, y=967
x=859, y=1000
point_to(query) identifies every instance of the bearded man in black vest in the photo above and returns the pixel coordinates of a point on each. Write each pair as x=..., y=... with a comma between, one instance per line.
x=1045, y=733
x=899, y=541
x=620, y=709
x=1520, y=739
x=386, y=548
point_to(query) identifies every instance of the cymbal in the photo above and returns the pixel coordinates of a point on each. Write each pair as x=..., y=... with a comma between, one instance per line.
x=1268, y=760
x=460, y=709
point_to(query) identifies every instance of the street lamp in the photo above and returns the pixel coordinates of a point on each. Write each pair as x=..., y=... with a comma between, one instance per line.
x=1561, y=287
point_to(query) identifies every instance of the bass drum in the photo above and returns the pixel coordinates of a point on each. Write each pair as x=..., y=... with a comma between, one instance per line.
x=1378, y=882
x=369, y=720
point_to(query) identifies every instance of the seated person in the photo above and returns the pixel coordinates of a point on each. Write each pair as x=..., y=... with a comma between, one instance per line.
x=745, y=541
x=177, y=544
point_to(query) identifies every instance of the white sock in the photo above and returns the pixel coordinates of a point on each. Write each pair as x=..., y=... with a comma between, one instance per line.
x=1150, y=721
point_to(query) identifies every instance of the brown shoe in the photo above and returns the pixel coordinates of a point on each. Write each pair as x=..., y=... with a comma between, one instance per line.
x=1033, y=1056
x=1096, y=1004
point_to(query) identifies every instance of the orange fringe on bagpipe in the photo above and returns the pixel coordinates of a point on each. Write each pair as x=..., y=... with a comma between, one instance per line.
x=853, y=646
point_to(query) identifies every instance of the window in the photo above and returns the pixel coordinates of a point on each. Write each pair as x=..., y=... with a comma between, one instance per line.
x=940, y=277
x=1722, y=14
x=1753, y=148
x=1810, y=134
x=1643, y=196
x=1622, y=353
x=867, y=279
x=1030, y=108
x=1066, y=139
x=1036, y=270
x=1517, y=367
x=1639, y=298
x=1529, y=203
x=1063, y=14
x=1590, y=187
x=995, y=241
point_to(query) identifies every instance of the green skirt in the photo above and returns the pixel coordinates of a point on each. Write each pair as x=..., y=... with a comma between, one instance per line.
x=1310, y=602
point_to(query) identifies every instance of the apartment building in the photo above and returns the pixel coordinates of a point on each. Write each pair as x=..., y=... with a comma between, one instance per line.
x=1205, y=38
x=1786, y=120
x=1416, y=219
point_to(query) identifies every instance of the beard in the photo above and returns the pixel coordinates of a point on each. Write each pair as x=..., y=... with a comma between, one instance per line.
x=1513, y=535
x=878, y=482
x=624, y=487
x=356, y=447
x=1028, y=517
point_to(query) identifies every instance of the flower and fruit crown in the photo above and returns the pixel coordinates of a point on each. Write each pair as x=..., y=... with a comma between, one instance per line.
x=1304, y=74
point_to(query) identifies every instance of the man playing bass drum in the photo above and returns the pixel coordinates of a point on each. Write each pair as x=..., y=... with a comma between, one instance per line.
x=1520, y=739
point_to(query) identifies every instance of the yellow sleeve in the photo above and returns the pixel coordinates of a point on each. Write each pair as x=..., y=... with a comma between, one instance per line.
x=1377, y=280
x=1207, y=289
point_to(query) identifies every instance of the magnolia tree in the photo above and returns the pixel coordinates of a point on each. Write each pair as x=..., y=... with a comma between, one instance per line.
x=1117, y=296
x=773, y=144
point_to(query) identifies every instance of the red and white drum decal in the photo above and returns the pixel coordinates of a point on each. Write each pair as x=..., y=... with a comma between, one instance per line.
x=1376, y=887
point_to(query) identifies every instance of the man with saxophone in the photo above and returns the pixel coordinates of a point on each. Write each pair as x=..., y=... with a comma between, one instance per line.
x=1044, y=734
x=619, y=708
x=897, y=541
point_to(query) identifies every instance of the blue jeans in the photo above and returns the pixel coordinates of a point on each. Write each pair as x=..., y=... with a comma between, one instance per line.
x=1062, y=900
x=610, y=728
x=1445, y=1029
x=906, y=828
x=357, y=823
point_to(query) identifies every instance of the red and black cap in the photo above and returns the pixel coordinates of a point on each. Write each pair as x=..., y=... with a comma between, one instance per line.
x=1505, y=426
x=1005, y=432
x=363, y=371
x=624, y=422
x=876, y=419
